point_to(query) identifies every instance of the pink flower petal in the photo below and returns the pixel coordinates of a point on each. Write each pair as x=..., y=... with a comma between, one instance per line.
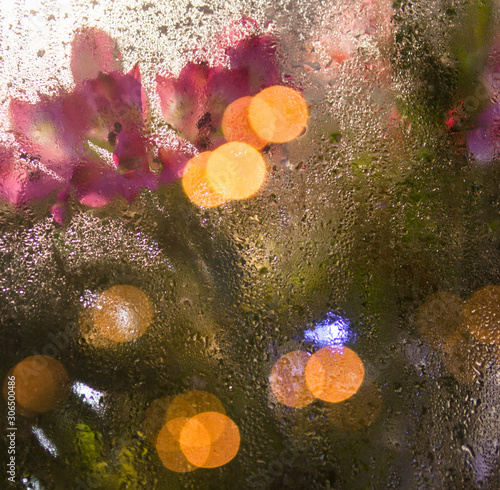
x=183, y=99
x=93, y=51
x=257, y=56
x=484, y=141
x=131, y=153
x=22, y=180
x=173, y=162
x=40, y=128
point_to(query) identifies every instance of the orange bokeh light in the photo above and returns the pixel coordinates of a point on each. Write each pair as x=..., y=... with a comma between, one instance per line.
x=192, y=403
x=169, y=449
x=288, y=381
x=334, y=374
x=482, y=314
x=122, y=313
x=42, y=384
x=439, y=317
x=236, y=125
x=155, y=417
x=236, y=170
x=278, y=114
x=210, y=439
x=465, y=357
x=195, y=183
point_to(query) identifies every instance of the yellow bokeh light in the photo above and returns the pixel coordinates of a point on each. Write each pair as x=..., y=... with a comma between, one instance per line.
x=169, y=449
x=122, y=313
x=278, y=114
x=195, y=183
x=210, y=439
x=334, y=374
x=192, y=403
x=42, y=384
x=288, y=381
x=482, y=314
x=236, y=170
x=236, y=125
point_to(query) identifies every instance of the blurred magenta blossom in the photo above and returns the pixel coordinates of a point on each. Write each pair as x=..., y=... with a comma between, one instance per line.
x=92, y=142
x=363, y=26
x=194, y=102
x=483, y=141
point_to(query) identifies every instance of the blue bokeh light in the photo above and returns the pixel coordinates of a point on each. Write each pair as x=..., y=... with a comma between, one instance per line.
x=334, y=330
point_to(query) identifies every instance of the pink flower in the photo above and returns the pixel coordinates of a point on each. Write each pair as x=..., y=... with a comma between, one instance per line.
x=97, y=181
x=91, y=141
x=183, y=99
x=114, y=101
x=353, y=39
x=484, y=141
x=194, y=102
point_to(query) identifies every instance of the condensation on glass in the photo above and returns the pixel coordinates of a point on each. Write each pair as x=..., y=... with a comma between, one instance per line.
x=250, y=244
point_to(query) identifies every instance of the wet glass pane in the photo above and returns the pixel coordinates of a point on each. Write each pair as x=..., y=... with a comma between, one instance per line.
x=250, y=244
